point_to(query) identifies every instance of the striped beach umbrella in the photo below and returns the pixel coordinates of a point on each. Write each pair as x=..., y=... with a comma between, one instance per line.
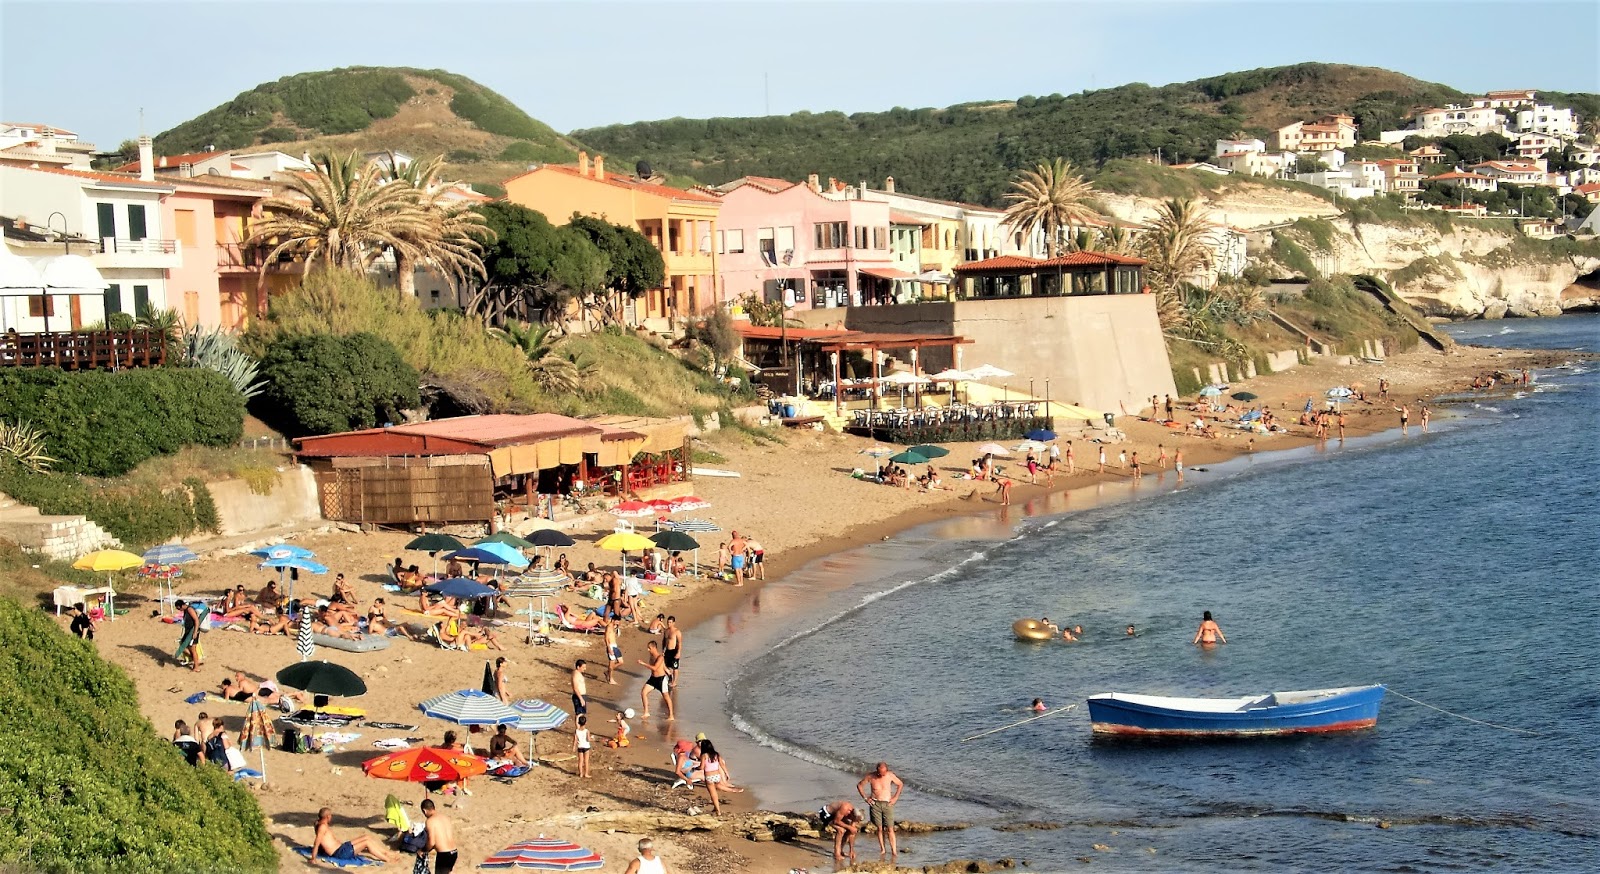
x=302, y=642
x=162, y=558
x=470, y=707
x=169, y=553
x=692, y=525
x=538, y=583
x=545, y=854
x=537, y=716
x=257, y=733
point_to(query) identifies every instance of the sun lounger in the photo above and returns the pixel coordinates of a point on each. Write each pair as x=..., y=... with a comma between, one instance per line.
x=570, y=624
x=305, y=852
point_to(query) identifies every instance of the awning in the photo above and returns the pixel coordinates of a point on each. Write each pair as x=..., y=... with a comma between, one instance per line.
x=887, y=273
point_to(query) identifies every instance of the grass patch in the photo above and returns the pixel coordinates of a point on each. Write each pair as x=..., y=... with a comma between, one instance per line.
x=1523, y=249
x=1430, y=265
x=1290, y=254
x=630, y=375
x=1390, y=211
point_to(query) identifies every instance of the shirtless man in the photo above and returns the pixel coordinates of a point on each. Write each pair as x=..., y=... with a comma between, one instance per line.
x=580, y=689
x=504, y=746
x=1209, y=633
x=1405, y=416
x=1177, y=463
x=737, y=547
x=613, y=640
x=881, y=789
x=268, y=597
x=441, y=838
x=672, y=648
x=659, y=681
x=240, y=688
x=845, y=821
x=327, y=847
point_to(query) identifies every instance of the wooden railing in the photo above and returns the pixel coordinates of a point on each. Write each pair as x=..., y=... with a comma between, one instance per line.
x=84, y=350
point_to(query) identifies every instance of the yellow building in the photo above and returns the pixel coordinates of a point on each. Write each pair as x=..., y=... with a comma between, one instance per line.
x=680, y=224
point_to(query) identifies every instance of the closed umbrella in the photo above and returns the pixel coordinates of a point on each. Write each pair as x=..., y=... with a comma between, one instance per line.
x=545, y=855
x=470, y=707
x=303, y=644
x=257, y=733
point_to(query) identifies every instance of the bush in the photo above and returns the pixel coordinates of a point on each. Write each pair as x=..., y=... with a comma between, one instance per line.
x=323, y=384
x=89, y=785
x=139, y=515
x=103, y=424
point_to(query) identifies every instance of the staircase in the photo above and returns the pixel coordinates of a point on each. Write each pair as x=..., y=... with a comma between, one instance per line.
x=1397, y=305
x=63, y=538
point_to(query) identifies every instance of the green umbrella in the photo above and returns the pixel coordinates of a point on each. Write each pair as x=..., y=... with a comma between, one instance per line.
x=1244, y=396
x=674, y=541
x=435, y=542
x=910, y=456
x=927, y=451
x=508, y=539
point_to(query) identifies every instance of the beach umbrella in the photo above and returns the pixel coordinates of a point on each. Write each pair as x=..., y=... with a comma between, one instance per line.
x=322, y=678
x=878, y=453
x=1340, y=391
x=1250, y=416
x=674, y=541
x=507, y=538
x=632, y=509
x=1211, y=391
x=108, y=561
x=509, y=554
x=284, y=563
x=692, y=525
x=461, y=588
x=626, y=542
x=909, y=457
x=1029, y=446
x=538, y=715
x=690, y=502
x=169, y=553
x=1043, y=435
x=1244, y=396
x=993, y=449
x=928, y=450
x=257, y=732
x=550, y=537
x=951, y=375
x=282, y=550
x=545, y=855
x=303, y=644
x=469, y=707
x=425, y=765
x=538, y=583
x=433, y=544
x=989, y=371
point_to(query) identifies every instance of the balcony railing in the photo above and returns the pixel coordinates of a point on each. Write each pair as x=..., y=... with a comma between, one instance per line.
x=83, y=350
x=239, y=256
x=146, y=246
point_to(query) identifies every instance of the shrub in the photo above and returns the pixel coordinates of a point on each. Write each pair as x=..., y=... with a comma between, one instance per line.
x=87, y=783
x=323, y=384
x=103, y=424
x=136, y=514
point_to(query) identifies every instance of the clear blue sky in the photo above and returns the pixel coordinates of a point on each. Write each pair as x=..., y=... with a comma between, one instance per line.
x=90, y=67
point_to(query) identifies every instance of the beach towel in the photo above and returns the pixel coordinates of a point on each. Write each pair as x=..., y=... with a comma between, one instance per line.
x=392, y=743
x=509, y=771
x=395, y=813
x=390, y=726
x=305, y=852
x=251, y=773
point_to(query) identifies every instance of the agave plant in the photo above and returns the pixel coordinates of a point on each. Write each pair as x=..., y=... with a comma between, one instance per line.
x=215, y=350
x=24, y=443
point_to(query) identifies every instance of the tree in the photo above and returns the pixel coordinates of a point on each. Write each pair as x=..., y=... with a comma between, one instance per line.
x=1050, y=197
x=451, y=241
x=1309, y=164
x=323, y=384
x=534, y=267
x=1178, y=245
x=633, y=265
x=342, y=214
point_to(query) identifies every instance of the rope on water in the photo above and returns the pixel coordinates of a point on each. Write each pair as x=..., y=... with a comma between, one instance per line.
x=1460, y=716
x=1054, y=712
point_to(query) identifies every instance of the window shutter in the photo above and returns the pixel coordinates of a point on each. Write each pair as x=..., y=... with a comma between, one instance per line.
x=141, y=301
x=136, y=226
x=113, y=300
x=107, y=214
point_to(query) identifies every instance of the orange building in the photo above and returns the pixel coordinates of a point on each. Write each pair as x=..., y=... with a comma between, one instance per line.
x=680, y=224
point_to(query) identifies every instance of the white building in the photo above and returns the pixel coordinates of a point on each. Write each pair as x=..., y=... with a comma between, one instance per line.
x=1504, y=99
x=121, y=213
x=1587, y=155
x=1367, y=174
x=1583, y=176
x=1515, y=172
x=1340, y=182
x=1535, y=145
x=1545, y=119
x=1454, y=119
x=30, y=142
x=1472, y=181
x=1228, y=146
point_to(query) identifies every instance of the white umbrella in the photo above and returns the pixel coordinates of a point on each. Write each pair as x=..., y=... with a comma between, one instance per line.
x=951, y=375
x=878, y=453
x=901, y=377
x=989, y=371
x=993, y=449
x=1029, y=446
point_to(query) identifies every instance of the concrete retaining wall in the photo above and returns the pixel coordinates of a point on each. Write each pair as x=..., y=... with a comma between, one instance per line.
x=293, y=500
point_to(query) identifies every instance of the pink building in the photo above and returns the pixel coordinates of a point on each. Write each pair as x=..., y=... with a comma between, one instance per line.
x=784, y=240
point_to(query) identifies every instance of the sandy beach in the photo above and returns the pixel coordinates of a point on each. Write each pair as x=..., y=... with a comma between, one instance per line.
x=796, y=497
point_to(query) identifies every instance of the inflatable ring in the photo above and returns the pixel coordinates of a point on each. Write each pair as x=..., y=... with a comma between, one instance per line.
x=1031, y=629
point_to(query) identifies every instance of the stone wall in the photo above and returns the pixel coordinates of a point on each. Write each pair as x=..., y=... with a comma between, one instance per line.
x=293, y=500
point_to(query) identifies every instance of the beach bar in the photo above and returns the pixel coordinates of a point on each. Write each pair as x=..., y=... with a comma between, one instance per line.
x=473, y=468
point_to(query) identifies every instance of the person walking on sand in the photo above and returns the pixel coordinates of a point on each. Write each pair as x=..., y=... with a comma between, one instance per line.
x=1161, y=456
x=672, y=648
x=580, y=689
x=1209, y=633
x=1405, y=416
x=647, y=862
x=188, y=652
x=881, y=789
x=737, y=547
x=1122, y=459
x=658, y=681
x=613, y=643
x=441, y=839
x=1072, y=464
x=1177, y=462
x=1137, y=474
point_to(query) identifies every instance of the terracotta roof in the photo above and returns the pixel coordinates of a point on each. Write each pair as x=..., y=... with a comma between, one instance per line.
x=629, y=182
x=1522, y=93
x=882, y=272
x=89, y=175
x=770, y=183
x=481, y=432
x=1591, y=188
x=900, y=218
x=173, y=161
x=1461, y=176
x=1509, y=167
x=1003, y=262
x=1232, y=154
x=48, y=127
x=1091, y=259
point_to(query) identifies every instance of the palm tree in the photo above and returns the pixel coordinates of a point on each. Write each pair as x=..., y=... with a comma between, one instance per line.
x=1591, y=128
x=555, y=374
x=451, y=243
x=1050, y=197
x=1178, y=245
x=342, y=214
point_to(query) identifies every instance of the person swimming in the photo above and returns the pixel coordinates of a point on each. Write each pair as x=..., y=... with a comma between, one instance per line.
x=1130, y=632
x=1037, y=706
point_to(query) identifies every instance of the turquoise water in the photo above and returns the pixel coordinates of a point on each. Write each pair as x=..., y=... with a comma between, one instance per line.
x=1457, y=567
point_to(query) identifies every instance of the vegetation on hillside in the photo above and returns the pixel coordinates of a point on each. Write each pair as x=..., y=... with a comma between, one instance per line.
x=325, y=384
x=970, y=152
x=88, y=784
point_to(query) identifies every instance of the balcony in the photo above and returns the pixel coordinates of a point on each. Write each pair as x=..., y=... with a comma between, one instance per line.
x=84, y=349
x=147, y=254
x=233, y=258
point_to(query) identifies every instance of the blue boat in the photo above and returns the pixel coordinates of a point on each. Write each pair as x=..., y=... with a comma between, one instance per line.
x=1310, y=711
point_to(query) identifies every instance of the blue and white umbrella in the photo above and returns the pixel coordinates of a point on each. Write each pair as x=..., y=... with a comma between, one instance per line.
x=282, y=550
x=285, y=563
x=169, y=553
x=538, y=715
x=690, y=525
x=481, y=554
x=470, y=707
x=1211, y=391
x=511, y=555
x=1250, y=416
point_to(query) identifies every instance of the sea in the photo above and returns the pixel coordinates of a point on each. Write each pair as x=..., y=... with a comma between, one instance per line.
x=1458, y=567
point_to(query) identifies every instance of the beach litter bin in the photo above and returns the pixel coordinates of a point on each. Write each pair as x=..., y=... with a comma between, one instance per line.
x=789, y=411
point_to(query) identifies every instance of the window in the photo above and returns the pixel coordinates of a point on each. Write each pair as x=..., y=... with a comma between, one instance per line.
x=767, y=245
x=832, y=235
x=107, y=214
x=136, y=226
x=735, y=240
x=877, y=238
x=183, y=227
x=41, y=306
x=141, y=301
x=720, y=249
x=112, y=300
x=785, y=240
x=861, y=237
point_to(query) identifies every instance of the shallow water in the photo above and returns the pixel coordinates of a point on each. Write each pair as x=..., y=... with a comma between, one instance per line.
x=1457, y=567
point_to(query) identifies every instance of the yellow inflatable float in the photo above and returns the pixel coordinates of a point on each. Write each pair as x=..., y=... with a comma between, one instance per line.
x=1032, y=629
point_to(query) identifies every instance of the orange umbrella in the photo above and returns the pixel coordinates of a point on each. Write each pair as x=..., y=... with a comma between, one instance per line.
x=425, y=764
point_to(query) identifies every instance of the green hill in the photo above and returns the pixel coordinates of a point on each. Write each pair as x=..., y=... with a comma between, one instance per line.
x=422, y=112
x=970, y=151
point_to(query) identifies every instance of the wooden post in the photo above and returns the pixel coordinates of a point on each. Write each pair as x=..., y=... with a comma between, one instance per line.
x=874, y=352
x=838, y=390
x=583, y=469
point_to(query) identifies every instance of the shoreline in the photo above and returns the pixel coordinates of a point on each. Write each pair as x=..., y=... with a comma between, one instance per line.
x=796, y=499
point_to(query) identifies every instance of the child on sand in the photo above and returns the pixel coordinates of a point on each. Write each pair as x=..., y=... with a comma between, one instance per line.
x=581, y=742
x=621, y=739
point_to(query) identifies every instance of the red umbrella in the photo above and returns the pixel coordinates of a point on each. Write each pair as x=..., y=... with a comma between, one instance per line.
x=425, y=764
x=633, y=508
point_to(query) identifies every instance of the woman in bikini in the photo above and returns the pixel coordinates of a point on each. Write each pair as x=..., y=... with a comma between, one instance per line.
x=1209, y=633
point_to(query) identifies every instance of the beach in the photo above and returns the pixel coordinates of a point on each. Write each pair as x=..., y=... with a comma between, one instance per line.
x=795, y=497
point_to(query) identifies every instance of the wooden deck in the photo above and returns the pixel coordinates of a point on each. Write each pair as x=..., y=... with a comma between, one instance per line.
x=83, y=350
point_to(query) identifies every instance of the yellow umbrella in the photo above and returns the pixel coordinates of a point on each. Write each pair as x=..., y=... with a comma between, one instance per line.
x=110, y=561
x=626, y=541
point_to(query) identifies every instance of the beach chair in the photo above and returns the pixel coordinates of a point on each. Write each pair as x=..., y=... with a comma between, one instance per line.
x=568, y=623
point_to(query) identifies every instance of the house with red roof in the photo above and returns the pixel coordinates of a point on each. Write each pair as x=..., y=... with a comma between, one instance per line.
x=680, y=223
x=1516, y=172
x=1471, y=181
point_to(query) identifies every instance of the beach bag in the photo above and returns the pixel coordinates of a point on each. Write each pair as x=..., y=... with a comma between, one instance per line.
x=216, y=752
x=291, y=740
x=414, y=841
x=235, y=758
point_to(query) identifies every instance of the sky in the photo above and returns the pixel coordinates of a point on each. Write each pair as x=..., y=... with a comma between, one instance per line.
x=91, y=67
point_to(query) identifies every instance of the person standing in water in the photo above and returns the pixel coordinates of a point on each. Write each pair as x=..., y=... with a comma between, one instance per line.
x=1405, y=416
x=881, y=789
x=1177, y=462
x=1209, y=633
